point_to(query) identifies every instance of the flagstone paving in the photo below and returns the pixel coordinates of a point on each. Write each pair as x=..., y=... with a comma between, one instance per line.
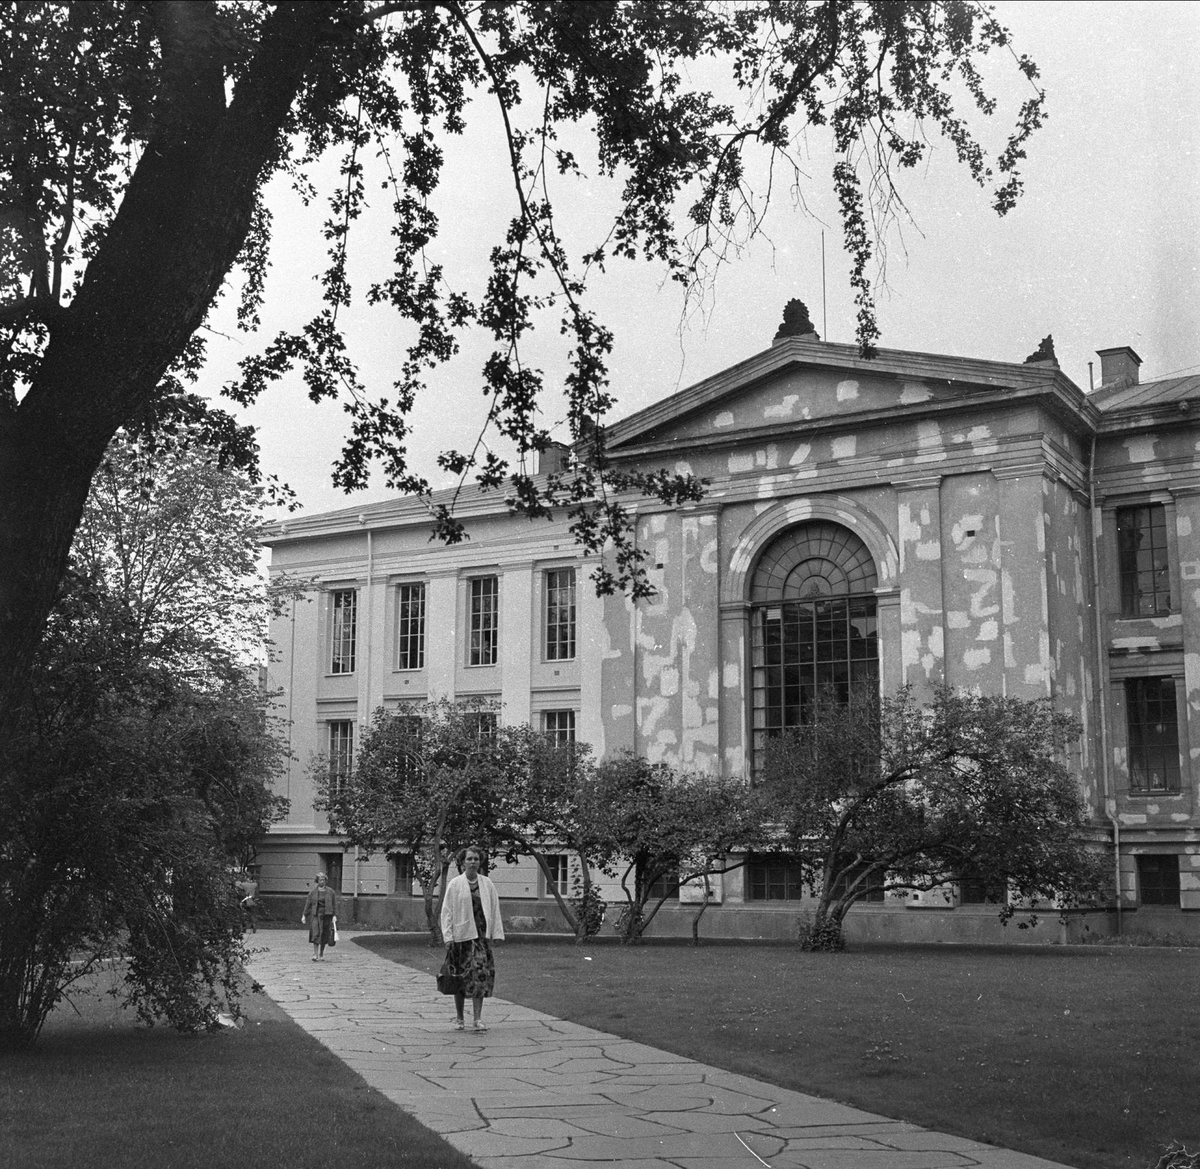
x=536, y=1092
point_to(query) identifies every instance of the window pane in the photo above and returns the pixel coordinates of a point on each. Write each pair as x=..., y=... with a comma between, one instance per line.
x=341, y=752
x=558, y=875
x=1143, y=560
x=813, y=626
x=410, y=627
x=559, y=726
x=774, y=878
x=342, y=631
x=1153, y=735
x=483, y=724
x=484, y=603
x=1158, y=880
x=560, y=614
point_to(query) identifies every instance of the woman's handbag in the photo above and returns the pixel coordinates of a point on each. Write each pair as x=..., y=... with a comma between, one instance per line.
x=446, y=982
x=333, y=936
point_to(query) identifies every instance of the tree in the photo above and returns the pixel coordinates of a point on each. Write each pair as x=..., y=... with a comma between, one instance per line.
x=174, y=537
x=903, y=797
x=137, y=777
x=554, y=801
x=429, y=779
x=670, y=827
x=138, y=140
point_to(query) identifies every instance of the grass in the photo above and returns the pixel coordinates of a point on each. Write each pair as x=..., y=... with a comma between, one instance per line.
x=1089, y=1057
x=99, y=1091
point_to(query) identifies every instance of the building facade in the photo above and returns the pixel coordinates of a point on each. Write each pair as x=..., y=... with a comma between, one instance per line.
x=911, y=519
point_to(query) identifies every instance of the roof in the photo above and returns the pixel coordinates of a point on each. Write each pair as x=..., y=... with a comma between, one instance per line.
x=976, y=377
x=1147, y=394
x=396, y=512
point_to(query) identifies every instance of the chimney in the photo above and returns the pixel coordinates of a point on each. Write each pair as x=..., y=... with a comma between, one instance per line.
x=1118, y=367
x=555, y=459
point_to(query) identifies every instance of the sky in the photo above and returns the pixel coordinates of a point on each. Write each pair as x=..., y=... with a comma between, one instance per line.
x=1102, y=250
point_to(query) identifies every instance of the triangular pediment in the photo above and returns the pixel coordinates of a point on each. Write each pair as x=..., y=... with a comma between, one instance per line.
x=799, y=383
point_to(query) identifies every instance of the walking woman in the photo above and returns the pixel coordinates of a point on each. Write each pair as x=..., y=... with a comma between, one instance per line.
x=470, y=923
x=320, y=912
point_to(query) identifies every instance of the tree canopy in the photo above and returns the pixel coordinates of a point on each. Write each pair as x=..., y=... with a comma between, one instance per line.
x=138, y=139
x=137, y=776
x=904, y=797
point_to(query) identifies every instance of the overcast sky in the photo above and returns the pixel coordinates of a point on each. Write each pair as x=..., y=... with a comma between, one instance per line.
x=1102, y=250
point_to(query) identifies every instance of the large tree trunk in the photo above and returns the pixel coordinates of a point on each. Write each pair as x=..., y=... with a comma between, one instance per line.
x=177, y=234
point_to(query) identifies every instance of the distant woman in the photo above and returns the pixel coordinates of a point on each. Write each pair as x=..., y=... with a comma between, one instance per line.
x=470, y=923
x=320, y=912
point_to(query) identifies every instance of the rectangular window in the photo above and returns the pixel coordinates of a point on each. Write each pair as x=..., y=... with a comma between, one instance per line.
x=343, y=628
x=410, y=627
x=774, y=878
x=483, y=724
x=483, y=608
x=665, y=886
x=1158, y=880
x=404, y=872
x=407, y=746
x=1143, y=560
x=874, y=884
x=331, y=866
x=559, y=726
x=558, y=876
x=972, y=890
x=560, y=615
x=341, y=752
x=1153, y=735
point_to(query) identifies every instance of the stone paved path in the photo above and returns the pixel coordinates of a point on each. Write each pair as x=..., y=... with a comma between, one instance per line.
x=535, y=1092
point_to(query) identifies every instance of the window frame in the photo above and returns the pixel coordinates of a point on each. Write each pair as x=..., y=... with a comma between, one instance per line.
x=560, y=864
x=411, y=641
x=876, y=888
x=758, y=868
x=556, y=733
x=1159, y=573
x=1166, y=894
x=339, y=638
x=484, y=724
x=483, y=621
x=559, y=633
x=1139, y=748
x=340, y=756
x=404, y=873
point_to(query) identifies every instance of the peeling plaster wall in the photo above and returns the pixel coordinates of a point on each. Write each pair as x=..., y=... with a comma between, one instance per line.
x=922, y=615
x=671, y=656
x=971, y=566
x=1156, y=466
x=804, y=394
x=1068, y=573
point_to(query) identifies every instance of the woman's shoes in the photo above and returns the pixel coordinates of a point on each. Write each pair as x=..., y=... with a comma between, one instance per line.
x=459, y=1025
x=479, y=1027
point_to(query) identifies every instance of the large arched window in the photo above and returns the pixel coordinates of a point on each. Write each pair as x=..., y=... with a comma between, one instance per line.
x=813, y=625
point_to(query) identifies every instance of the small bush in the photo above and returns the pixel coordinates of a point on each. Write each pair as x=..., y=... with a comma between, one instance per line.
x=589, y=908
x=824, y=936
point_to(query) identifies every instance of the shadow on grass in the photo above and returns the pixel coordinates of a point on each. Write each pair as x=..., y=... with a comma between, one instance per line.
x=1087, y=1057
x=100, y=1092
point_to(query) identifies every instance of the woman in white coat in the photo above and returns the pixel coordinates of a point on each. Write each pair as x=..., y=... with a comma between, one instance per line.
x=470, y=923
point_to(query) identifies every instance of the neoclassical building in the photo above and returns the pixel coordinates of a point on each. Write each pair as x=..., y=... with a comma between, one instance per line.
x=911, y=519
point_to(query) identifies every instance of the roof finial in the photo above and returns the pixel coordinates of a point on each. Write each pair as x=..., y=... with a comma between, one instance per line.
x=796, y=322
x=1044, y=351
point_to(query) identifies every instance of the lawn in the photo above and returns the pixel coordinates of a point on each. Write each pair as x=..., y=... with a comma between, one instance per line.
x=1087, y=1057
x=99, y=1092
